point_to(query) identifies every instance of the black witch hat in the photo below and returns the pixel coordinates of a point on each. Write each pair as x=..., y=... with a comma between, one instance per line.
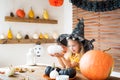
x=78, y=34
x=79, y=29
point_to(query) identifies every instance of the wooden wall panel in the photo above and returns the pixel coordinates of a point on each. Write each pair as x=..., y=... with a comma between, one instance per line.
x=104, y=27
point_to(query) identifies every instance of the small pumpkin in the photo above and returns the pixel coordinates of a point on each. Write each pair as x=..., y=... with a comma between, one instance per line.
x=50, y=68
x=46, y=36
x=19, y=35
x=20, y=13
x=10, y=35
x=26, y=36
x=56, y=3
x=35, y=36
x=96, y=65
x=55, y=35
x=10, y=72
x=54, y=49
x=71, y=72
x=41, y=36
x=2, y=36
x=53, y=74
x=11, y=14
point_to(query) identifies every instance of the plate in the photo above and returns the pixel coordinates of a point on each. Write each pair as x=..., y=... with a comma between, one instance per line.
x=48, y=78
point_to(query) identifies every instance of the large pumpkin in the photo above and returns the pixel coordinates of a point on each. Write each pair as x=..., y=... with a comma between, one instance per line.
x=56, y=2
x=96, y=65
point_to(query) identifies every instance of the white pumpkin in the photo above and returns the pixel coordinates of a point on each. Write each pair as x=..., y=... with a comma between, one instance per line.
x=55, y=35
x=54, y=49
x=10, y=72
x=35, y=36
x=2, y=36
x=54, y=74
x=19, y=36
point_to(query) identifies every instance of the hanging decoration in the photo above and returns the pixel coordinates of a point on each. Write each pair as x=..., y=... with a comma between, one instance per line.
x=56, y=3
x=97, y=5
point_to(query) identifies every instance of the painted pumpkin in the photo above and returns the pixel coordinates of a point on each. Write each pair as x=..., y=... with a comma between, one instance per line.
x=69, y=71
x=56, y=2
x=96, y=64
x=49, y=69
x=20, y=13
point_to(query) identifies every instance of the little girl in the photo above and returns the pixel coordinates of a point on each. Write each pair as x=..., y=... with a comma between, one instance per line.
x=76, y=49
x=77, y=45
x=62, y=41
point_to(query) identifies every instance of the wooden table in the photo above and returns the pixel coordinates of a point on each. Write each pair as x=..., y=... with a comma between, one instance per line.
x=38, y=75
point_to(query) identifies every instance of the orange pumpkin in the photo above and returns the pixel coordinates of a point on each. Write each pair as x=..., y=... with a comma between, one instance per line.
x=56, y=2
x=20, y=13
x=96, y=65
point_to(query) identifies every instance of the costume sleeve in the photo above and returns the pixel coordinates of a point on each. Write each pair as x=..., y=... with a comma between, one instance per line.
x=77, y=59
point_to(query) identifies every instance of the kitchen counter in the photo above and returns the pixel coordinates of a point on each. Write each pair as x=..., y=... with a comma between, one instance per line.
x=38, y=74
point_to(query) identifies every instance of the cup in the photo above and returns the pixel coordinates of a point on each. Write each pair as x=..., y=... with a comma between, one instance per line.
x=62, y=77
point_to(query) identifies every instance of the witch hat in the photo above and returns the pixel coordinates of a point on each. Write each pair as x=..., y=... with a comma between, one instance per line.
x=78, y=32
x=79, y=29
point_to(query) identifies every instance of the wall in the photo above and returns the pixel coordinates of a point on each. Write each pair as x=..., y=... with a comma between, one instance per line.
x=104, y=27
x=15, y=53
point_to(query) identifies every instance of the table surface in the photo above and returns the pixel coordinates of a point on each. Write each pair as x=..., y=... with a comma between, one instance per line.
x=38, y=75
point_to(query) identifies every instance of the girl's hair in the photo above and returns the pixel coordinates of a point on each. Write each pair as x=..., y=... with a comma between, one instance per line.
x=77, y=38
x=62, y=39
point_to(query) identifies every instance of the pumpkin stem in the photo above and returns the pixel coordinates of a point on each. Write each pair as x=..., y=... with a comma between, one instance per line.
x=10, y=67
x=107, y=50
x=53, y=65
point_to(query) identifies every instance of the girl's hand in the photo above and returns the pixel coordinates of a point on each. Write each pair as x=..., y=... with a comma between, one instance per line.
x=53, y=55
x=59, y=54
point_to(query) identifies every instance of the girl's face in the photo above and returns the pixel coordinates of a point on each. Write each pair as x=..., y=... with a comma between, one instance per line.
x=74, y=46
x=64, y=48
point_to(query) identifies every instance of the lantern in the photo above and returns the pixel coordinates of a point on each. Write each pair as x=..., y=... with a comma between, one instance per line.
x=56, y=3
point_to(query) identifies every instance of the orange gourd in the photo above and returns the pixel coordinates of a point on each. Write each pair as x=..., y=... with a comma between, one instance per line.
x=96, y=65
x=56, y=3
x=20, y=13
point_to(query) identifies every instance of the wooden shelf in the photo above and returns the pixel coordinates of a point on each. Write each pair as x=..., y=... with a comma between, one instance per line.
x=17, y=19
x=26, y=41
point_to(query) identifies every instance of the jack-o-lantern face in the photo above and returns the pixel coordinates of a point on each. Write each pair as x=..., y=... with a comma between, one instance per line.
x=56, y=3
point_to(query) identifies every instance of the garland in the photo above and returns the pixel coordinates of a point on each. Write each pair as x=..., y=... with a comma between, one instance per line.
x=97, y=6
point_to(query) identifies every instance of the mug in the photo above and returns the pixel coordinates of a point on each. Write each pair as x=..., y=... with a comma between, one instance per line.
x=62, y=77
